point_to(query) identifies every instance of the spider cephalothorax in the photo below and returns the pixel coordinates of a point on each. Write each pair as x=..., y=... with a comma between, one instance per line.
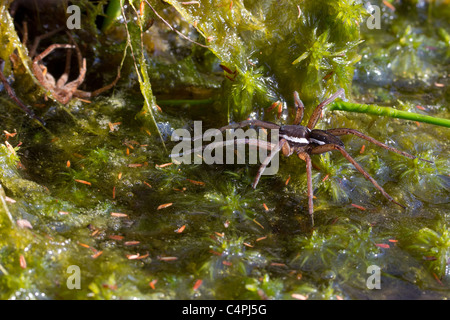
x=305, y=141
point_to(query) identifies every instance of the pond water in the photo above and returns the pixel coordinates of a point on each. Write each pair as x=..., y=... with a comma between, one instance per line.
x=94, y=194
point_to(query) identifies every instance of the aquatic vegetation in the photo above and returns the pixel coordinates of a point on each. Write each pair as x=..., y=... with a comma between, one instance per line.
x=433, y=246
x=95, y=188
x=229, y=255
x=233, y=201
x=135, y=43
x=265, y=288
x=331, y=173
x=387, y=111
x=335, y=256
x=244, y=88
x=240, y=38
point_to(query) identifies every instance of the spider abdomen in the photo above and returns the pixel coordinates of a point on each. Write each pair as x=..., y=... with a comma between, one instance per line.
x=300, y=136
x=321, y=137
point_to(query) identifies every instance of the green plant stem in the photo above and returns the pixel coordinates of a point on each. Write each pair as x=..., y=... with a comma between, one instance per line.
x=388, y=112
x=112, y=13
x=5, y=206
x=348, y=107
x=181, y=102
x=3, y=270
x=137, y=52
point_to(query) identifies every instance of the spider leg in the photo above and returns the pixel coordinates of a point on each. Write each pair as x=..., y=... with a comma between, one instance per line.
x=38, y=39
x=253, y=122
x=299, y=109
x=65, y=76
x=52, y=47
x=39, y=70
x=331, y=147
x=305, y=157
x=253, y=142
x=86, y=94
x=318, y=111
x=267, y=160
x=25, y=34
x=77, y=48
x=345, y=131
x=66, y=92
x=81, y=64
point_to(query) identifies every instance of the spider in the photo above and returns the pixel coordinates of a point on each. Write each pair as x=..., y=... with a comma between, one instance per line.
x=305, y=141
x=60, y=89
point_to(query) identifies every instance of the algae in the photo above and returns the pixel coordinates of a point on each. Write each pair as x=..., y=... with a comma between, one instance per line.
x=94, y=188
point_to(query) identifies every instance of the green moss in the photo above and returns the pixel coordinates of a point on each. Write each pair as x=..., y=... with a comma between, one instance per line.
x=240, y=38
x=242, y=243
x=433, y=246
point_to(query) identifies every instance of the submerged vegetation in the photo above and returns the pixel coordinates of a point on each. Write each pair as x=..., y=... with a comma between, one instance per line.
x=93, y=186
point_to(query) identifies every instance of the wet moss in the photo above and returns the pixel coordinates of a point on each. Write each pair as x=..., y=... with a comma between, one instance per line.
x=100, y=192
